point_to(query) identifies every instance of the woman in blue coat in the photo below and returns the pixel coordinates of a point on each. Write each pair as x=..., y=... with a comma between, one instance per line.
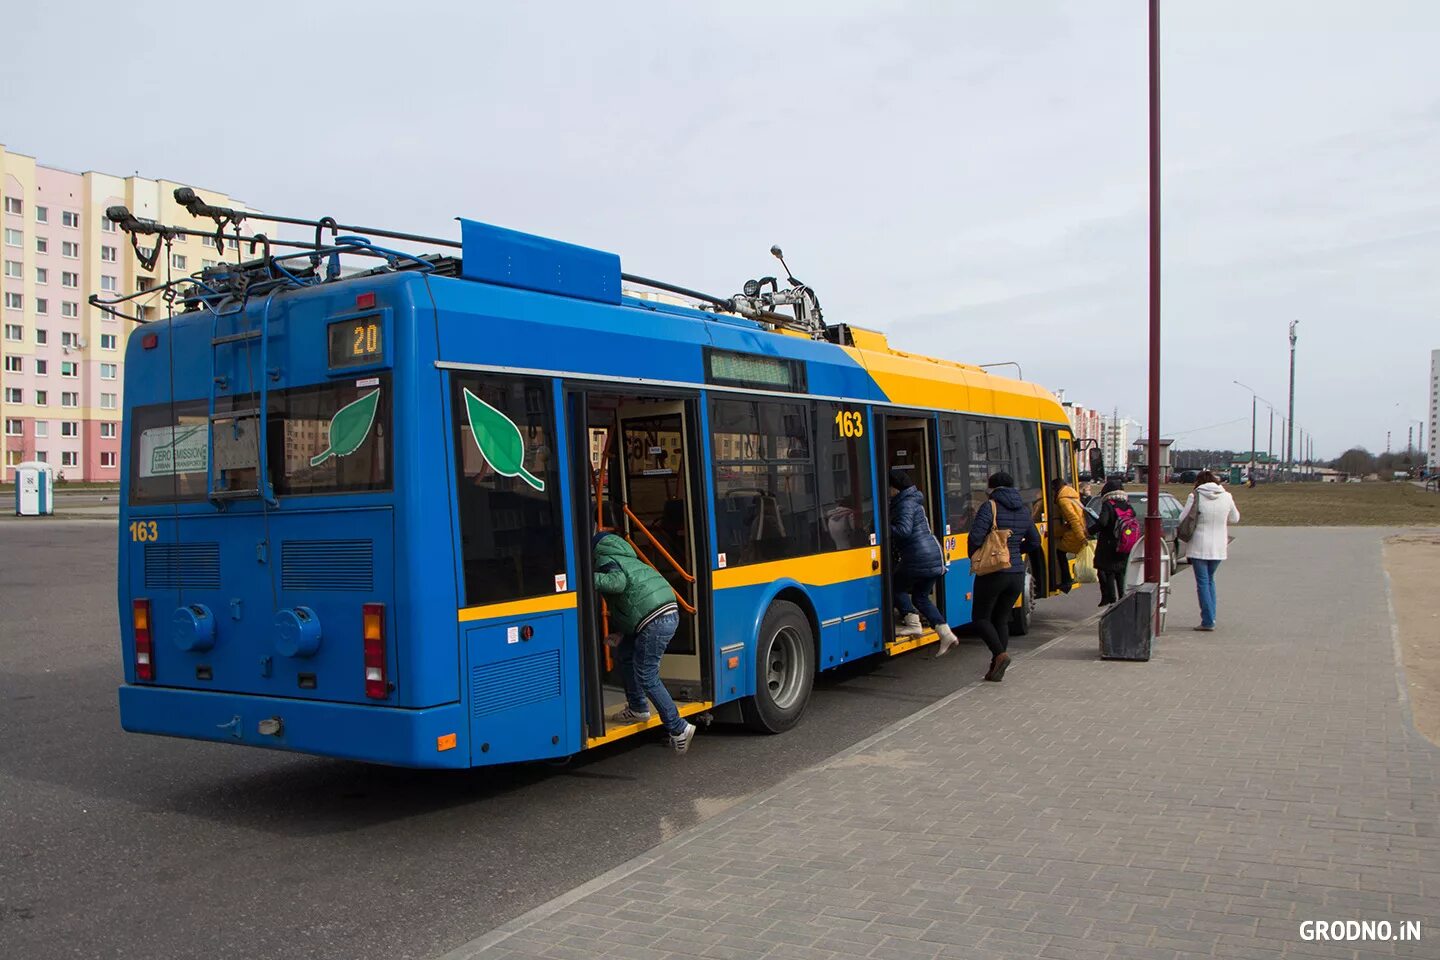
x=995, y=593
x=918, y=563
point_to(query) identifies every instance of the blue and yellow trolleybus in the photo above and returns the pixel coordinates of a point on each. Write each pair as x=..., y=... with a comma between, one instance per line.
x=357, y=507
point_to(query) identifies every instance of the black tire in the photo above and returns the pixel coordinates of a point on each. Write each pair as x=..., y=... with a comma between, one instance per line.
x=784, y=670
x=1020, y=616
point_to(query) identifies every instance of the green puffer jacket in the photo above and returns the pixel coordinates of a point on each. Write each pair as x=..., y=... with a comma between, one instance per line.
x=633, y=589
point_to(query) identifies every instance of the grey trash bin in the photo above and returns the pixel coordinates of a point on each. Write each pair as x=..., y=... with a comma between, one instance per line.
x=1128, y=628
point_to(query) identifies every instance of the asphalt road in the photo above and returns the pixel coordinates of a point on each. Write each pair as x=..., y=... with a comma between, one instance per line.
x=120, y=845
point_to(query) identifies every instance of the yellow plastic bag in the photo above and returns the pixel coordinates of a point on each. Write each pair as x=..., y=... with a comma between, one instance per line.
x=1085, y=564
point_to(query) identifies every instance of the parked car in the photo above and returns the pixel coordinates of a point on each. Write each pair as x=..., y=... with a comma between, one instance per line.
x=1170, y=510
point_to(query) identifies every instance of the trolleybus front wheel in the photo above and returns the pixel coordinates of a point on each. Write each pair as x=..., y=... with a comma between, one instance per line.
x=784, y=670
x=1020, y=617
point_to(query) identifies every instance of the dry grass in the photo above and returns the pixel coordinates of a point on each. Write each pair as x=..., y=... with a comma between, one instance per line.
x=1330, y=504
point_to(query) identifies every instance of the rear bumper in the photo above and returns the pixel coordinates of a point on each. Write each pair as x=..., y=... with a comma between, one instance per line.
x=376, y=734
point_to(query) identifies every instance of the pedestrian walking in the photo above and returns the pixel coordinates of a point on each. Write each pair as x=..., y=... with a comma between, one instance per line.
x=995, y=593
x=644, y=617
x=1071, y=533
x=1115, y=524
x=919, y=564
x=1214, y=510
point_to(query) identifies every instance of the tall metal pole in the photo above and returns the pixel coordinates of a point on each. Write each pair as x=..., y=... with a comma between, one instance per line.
x=1290, y=437
x=1152, y=516
x=1251, y=478
x=1270, y=444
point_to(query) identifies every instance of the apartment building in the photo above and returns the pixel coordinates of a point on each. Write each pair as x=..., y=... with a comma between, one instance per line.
x=61, y=390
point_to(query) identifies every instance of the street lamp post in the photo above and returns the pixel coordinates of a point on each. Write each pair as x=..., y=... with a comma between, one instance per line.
x=1290, y=437
x=1152, y=516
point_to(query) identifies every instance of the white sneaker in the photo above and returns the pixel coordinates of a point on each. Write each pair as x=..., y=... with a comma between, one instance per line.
x=909, y=626
x=629, y=715
x=681, y=743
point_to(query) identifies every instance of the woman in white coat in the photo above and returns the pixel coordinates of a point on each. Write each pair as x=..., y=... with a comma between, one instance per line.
x=1216, y=511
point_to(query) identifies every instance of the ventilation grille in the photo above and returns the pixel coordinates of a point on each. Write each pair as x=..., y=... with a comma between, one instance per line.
x=327, y=564
x=182, y=566
x=495, y=687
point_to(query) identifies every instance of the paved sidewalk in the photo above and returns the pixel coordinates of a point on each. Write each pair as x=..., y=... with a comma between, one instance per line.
x=1200, y=805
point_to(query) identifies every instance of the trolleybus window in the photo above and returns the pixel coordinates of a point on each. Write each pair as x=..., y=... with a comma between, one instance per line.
x=1025, y=464
x=847, y=502
x=958, y=507
x=511, y=528
x=169, y=446
x=332, y=437
x=764, y=481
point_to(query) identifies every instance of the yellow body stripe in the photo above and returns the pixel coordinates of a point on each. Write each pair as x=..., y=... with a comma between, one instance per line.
x=820, y=570
x=629, y=730
x=518, y=608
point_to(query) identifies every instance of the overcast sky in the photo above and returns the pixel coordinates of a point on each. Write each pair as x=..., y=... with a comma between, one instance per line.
x=968, y=176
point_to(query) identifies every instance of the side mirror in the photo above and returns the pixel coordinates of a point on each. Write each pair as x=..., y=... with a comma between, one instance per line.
x=1097, y=462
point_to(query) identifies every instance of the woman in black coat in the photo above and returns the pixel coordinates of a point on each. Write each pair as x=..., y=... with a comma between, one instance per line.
x=1110, y=562
x=995, y=593
x=918, y=563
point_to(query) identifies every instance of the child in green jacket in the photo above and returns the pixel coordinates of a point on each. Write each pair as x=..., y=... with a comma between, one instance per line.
x=644, y=613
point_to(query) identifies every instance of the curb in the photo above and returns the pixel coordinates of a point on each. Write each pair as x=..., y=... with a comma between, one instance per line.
x=473, y=948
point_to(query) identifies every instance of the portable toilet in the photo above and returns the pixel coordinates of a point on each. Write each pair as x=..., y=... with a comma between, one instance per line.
x=34, y=489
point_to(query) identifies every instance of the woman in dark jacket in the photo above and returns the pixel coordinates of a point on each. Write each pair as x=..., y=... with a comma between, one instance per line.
x=996, y=593
x=1110, y=563
x=918, y=562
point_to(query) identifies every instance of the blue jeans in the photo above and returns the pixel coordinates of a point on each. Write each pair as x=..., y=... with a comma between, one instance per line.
x=639, y=657
x=1205, y=588
x=912, y=595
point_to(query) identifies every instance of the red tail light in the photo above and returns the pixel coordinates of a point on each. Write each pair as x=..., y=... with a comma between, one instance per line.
x=144, y=648
x=376, y=685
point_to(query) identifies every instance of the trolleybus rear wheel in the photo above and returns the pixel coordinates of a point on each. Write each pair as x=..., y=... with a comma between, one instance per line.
x=784, y=670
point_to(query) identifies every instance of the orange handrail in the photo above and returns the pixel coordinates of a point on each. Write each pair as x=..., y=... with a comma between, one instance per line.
x=688, y=578
x=650, y=563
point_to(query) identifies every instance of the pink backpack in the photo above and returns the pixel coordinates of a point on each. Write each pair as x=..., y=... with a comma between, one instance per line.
x=1128, y=530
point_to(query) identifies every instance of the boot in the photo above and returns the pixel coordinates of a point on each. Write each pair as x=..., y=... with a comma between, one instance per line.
x=909, y=626
x=948, y=640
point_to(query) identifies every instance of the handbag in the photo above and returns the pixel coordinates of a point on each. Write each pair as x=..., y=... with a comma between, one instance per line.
x=1189, y=522
x=1085, y=564
x=994, y=554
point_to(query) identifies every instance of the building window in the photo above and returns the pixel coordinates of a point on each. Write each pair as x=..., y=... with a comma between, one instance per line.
x=70, y=249
x=69, y=370
x=42, y=335
x=14, y=364
x=14, y=427
x=14, y=269
x=107, y=459
x=14, y=301
x=12, y=457
x=70, y=219
x=42, y=214
x=107, y=430
x=108, y=254
x=42, y=398
x=14, y=238
x=15, y=332
x=107, y=371
x=42, y=367
x=14, y=395
x=68, y=339
x=177, y=260
x=69, y=308
x=42, y=245
x=69, y=399
x=107, y=401
x=69, y=458
x=109, y=283
x=142, y=284
x=69, y=428
x=42, y=429
x=69, y=279
x=107, y=341
x=14, y=205
x=106, y=224
x=42, y=275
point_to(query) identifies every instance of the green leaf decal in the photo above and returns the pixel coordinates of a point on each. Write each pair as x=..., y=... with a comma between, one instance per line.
x=349, y=427
x=499, y=440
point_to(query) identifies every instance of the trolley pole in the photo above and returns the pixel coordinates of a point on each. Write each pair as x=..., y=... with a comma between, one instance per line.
x=1152, y=516
x=1290, y=434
